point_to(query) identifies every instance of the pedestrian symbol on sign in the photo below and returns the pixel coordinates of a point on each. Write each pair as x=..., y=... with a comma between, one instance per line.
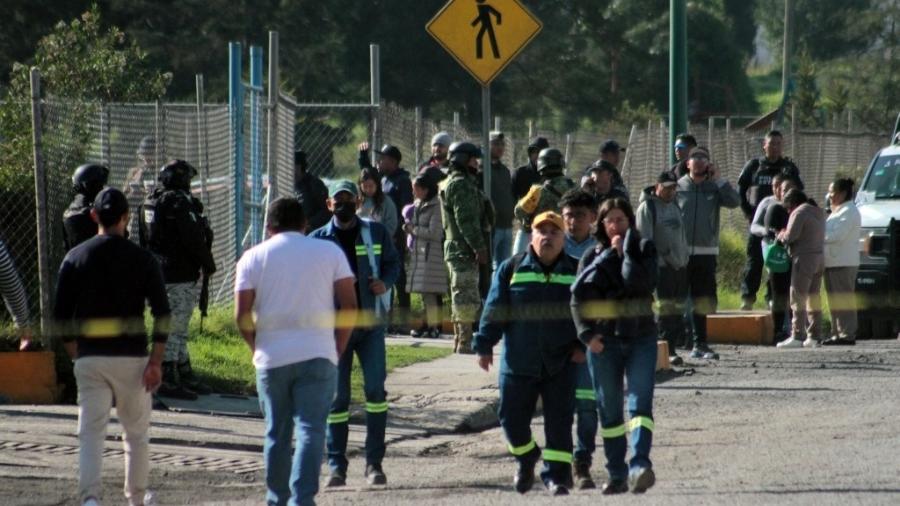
x=485, y=11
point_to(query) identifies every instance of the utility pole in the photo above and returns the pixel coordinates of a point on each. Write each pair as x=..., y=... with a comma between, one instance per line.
x=677, y=72
x=788, y=52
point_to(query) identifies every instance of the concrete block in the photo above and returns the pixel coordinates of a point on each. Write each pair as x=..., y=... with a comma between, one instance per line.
x=662, y=356
x=28, y=377
x=740, y=327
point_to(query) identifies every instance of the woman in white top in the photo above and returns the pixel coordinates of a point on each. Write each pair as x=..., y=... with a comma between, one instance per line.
x=842, y=261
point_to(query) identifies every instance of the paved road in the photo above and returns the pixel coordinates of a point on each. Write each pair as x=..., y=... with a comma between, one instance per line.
x=761, y=426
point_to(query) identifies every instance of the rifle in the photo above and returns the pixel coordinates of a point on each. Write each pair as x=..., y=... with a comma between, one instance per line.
x=204, y=298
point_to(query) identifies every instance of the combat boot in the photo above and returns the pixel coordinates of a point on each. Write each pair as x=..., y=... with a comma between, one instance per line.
x=171, y=385
x=583, y=478
x=190, y=380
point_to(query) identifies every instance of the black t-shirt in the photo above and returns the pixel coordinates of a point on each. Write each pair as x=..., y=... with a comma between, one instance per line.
x=100, y=294
x=347, y=240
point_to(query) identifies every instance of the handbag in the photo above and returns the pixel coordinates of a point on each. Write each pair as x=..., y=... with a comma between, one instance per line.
x=775, y=258
x=383, y=301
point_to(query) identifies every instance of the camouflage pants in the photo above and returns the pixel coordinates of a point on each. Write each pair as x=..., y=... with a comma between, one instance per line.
x=183, y=298
x=465, y=300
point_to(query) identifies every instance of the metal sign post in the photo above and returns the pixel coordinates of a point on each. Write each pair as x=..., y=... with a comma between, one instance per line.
x=486, y=138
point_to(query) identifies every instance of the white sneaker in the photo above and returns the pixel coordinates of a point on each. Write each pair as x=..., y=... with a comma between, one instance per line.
x=790, y=343
x=810, y=343
x=91, y=501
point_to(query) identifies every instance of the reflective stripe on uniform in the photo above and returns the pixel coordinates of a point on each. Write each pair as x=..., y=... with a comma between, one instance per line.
x=361, y=250
x=557, y=456
x=343, y=417
x=518, y=451
x=641, y=421
x=376, y=407
x=534, y=277
x=617, y=431
x=585, y=394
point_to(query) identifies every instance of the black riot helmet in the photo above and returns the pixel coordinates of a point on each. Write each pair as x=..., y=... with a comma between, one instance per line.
x=176, y=175
x=550, y=160
x=89, y=179
x=462, y=152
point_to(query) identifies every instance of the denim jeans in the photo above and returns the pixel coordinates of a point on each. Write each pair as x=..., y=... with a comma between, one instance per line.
x=295, y=399
x=635, y=360
x=586, y=409
x=368, y=346
x=501, y=245
x=518, y=399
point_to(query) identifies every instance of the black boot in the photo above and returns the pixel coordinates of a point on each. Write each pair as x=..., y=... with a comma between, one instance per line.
x=190, y=380
x=171, y=385
x=524, y=478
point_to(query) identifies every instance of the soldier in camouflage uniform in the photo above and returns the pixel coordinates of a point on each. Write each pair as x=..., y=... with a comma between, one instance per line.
x=467, y=231
x=545, y=196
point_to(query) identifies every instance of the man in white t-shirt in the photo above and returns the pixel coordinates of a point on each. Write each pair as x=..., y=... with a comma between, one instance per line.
x=285, y=294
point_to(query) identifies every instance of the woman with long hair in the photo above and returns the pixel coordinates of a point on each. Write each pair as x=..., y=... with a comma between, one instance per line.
x=376, y=206
x=427, y=271
x=612, y=301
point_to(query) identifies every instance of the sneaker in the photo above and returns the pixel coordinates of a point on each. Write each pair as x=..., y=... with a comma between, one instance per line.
x=419, y=332
x=375, y=475
x=747, y=305
x=614, y=487
x=583, y=480
x=91, y=501
x=555, y=488
x=790, y=343
x=150, y=498
x=704, y=352
x=811, y=343
x=675, y=360
x=524, y=478
x=337, y=478
x=640, y=479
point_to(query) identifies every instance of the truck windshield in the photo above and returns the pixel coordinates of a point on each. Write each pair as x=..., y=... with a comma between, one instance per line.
x=884, y=180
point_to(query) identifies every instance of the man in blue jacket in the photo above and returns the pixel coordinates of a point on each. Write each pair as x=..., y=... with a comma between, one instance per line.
x=374, y=260
x=528, y=305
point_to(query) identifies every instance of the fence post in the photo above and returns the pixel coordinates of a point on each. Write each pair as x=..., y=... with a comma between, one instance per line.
x=455, y=125
x=105, y=136
x=793, y=130
x=727, y=141
x=256, y=56
x=40, y=194
x=569, y=149
x=530, y=129
x=375, y=85
x=236, y=113
x=497, y=123
x=201, y=139
x=418, y=137
x=272, y=128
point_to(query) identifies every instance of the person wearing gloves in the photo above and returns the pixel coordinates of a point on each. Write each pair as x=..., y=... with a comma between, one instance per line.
x=612, y=301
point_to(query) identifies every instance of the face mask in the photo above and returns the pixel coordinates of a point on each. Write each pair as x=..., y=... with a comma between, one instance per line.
x=345, y=211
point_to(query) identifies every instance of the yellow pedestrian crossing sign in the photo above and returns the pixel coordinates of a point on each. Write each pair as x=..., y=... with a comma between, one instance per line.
x=484, y=35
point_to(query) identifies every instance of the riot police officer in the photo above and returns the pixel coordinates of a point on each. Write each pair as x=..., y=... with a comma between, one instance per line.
x=467, y=244
x=87, y=181
x=173, y=227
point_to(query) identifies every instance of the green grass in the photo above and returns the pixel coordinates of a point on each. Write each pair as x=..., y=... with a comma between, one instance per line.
x=220, y=355
x=766, y=85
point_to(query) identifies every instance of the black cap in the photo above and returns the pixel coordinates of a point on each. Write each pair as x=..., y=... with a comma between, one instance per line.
x=602, y=165
x=538, y=143
x=391, y=151
x=666, y=178
x=111, y=203
x=610, y=146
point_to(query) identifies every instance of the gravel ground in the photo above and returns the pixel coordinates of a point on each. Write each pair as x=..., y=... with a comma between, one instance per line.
x=760, y=426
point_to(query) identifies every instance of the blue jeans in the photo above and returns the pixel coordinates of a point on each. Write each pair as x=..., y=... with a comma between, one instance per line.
x=518, y=399
x=586, y=409
x=501, y=245
x=295, y=400
x=634, y=359
x=368, y=345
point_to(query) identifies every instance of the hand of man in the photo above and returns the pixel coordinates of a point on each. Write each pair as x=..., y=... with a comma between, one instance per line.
x=481, y=257
x=578, y=356
x=377, y=286
x=485, y=362
x=618, y=242
x=25, y=339
x=152, y=376
x=363, y=146
x=596, y=344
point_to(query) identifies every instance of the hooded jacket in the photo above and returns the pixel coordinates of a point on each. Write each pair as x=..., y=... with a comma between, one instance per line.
x=700, y=206
x=661, y=222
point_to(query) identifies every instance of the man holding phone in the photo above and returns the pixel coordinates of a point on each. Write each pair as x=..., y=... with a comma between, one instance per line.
x=701, y=195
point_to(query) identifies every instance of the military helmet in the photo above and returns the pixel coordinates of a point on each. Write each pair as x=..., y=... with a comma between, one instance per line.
x=177, y=175
x=550, y=160
x=89, y=179
x=462, y=152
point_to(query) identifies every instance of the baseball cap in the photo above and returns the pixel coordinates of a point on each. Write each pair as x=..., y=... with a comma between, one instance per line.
x=442, y=138
x=391, y=151
x=343, y=186
x=111, y=203
x=548, y=217
x=610, y=146
x=600, y=166
x=667, y=178
x=496, y=136
x=538, y=143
